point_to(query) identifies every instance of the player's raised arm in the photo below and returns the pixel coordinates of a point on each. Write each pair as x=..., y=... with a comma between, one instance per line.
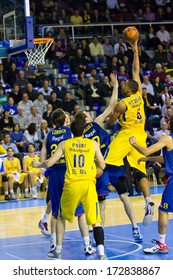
x=113, y=100
x=136, y=66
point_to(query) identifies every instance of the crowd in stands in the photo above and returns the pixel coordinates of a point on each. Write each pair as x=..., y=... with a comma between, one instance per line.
x=28, y=95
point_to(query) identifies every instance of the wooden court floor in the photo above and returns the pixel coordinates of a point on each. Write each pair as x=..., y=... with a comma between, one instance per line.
x=19, y=230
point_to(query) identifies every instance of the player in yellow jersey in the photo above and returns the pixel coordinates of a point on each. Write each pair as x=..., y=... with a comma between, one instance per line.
x=130, y=114
x=33, y=173
x=12, y=173
x=83, y=162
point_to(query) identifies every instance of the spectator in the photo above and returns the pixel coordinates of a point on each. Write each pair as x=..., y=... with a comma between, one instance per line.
x=85, y=49
x=3, y=77
x=40, y=103
x=68, y=102
x=31, y=136
x=158, y=72
x=144, y=59
x=63, y=37
x=20, y=119
x=148, y=85
x=22, y=81
x=96, y=18
x=160, y=15
x=106, y=89
x=60, y=89
x=63, y=17
x=121, y=53
x=169, y=82
x=59, y=54
x=170, y=57
x=166, y=118
x=46, y=89
x=26, y=104
x=97, y=51
x=79, y=62
x=151, y=108
x=76, y=19
x=108, y=51
x=161, y=55
x=165, y=107
x=47, y=115
x=43, y=130
x=12, y=74
x=72, y=50
x=3, y=99
x=32, y=93
x=93, y=93
x=15, y=94
x=118, y=44
x=152, y=40
x=81, y=83
x=29, y=73
x=8, y=144
x=11, y=107
x=158, y=88
x=163, y=35
x=115, y=37
x=41, y=75
x=114, y=66
x=121, y=74
x=6, y=123
x=56, y=103
x=17, y=137
x=165, y=93
x=149, y=15
x=34, y=117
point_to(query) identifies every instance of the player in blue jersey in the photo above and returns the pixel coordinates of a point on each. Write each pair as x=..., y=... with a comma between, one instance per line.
x=56, y=183
x=94, y=130
x=166, y=144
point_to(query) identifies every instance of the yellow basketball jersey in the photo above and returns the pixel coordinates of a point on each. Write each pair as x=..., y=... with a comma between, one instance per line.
x=29, y=161
x=11, y=165
x=79, y=156
x=134, y=117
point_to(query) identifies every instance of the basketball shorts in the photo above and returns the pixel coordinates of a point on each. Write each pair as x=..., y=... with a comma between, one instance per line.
x=18, y=178
x=115, y=172
x=55, y=186
x=78, y=192
x=121, y=147
x=102, y=184
x=167, y=196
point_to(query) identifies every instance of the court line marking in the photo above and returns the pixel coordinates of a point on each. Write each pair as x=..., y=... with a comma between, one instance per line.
x=139, y=247
x=14, y=256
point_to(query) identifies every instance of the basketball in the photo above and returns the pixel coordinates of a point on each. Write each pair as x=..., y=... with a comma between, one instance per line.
x=131, y=34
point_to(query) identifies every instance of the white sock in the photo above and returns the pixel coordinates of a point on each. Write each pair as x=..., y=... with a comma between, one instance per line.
x=11, y=191
x=6, y=192
x=101, y=250
x=58, y=249
x=33, y=190
x=86, y=241
x=53, y=238
x=147, y=199
x=45, y=218
x=26, y=190
x=162, y=238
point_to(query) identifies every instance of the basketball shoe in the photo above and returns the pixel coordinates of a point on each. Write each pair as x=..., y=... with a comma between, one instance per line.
x=44, y=228
x=89, y=250
x=158, y=248
x=149, y=212
x=136, y=234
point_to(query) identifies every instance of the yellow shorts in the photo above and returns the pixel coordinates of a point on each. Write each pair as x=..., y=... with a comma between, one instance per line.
x=21, y=178
x=80, y=192
x=121, y=147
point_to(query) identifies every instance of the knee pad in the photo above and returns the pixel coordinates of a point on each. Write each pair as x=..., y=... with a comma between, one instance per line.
x=121, y=185
x=101, y=197
x=140, y=175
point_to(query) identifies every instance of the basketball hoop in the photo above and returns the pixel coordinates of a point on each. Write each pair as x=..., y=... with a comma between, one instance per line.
x=37, y=54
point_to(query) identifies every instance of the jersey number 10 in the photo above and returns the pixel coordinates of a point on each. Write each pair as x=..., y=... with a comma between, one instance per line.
x=78, y=161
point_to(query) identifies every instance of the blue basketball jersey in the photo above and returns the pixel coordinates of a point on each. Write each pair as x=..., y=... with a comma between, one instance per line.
x=94, y=131
x=168, y=158
x=54, y=138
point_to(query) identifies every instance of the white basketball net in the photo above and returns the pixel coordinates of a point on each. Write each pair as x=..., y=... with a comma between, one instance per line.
x=37, y=54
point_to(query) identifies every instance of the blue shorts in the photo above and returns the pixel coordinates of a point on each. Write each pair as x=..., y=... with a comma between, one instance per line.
x=167, y=196
x=114, y=173
x=79, y=210
x=102, y=184
x=55, y=185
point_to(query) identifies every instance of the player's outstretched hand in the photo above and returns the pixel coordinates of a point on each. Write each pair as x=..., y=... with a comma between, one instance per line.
x=35, y=163
x=132, y=140
x=114, y=80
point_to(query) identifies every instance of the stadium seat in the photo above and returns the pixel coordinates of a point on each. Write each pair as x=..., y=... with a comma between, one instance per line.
x=65, y=69
x=73, y=79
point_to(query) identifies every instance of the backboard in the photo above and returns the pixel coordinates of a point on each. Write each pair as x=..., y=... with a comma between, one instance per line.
x=16, y=25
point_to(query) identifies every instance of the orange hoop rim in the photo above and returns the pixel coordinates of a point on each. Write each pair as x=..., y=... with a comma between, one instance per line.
x=38, y=41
